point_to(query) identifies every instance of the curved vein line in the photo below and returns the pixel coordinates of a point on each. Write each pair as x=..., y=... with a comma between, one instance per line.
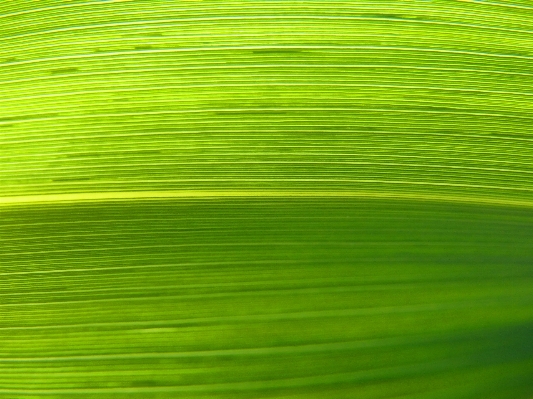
x=212, y=194
x=264, y=47
x=173, y=21
x=257, y=351
x=142, y=134
x=260, y=84
x=67, y=169
x=452, y=111
x=298, y=66
x=351, y=312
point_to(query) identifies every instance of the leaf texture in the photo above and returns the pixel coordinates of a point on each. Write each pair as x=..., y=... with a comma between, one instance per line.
x=266, y=199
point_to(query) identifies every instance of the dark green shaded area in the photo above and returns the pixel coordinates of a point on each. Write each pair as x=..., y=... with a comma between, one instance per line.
x=266, y=298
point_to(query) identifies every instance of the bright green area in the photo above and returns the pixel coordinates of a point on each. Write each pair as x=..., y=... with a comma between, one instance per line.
x=255, y=298
x=396, y=96
x=278, y=269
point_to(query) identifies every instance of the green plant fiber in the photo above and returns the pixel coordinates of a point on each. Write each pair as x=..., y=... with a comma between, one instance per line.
x=266, y=199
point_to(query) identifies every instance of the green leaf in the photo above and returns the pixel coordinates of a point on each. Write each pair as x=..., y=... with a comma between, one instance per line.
x=266, y=199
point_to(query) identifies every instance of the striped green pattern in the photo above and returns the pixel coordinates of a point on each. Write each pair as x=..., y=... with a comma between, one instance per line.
x=266, y=199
